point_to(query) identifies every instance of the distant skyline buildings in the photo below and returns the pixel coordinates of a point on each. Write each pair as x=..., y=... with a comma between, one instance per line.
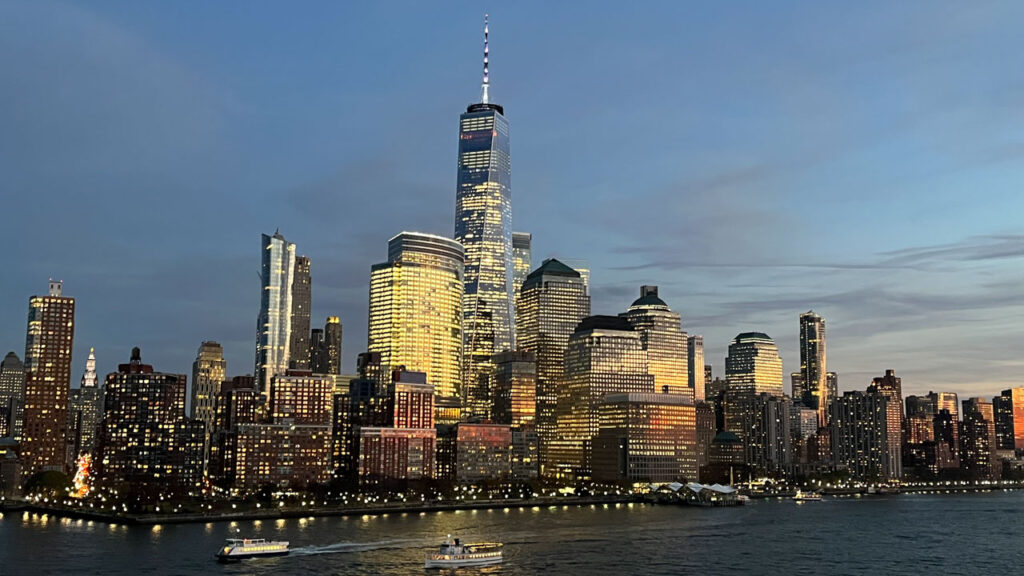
x=85, y=411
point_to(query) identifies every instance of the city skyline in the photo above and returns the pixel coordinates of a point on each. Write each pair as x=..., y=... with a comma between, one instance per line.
x=727, y=285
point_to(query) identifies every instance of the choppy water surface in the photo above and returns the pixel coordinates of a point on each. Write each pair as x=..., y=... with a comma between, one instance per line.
x=909, y=534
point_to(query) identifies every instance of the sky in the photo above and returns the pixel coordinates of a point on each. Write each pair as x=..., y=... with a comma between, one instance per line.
x=755, y=160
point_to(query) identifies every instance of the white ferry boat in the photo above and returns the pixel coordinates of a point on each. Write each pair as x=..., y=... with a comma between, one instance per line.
x=802, y=496
x=453, y=554
x=235, y=549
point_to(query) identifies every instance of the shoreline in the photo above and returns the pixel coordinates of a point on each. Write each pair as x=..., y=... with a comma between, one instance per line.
x=10, y=506
x=284, y=513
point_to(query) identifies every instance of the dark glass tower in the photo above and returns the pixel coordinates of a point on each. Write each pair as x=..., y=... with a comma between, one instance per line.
x=483, y=224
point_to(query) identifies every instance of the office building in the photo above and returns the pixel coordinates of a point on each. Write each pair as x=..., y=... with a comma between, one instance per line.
x=416, y=309
x=645, y=437
x=1010, y=419
x=695, y=366
x=753, y=365
x=515, y=404
x=605, y=356
x=483, y=226
x=662, y=336
x=813, y=365
x=48, y=346
x=404, y=448
x=552, y=303
x=522, y=263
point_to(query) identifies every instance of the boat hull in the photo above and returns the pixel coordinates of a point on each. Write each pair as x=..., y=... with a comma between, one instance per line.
x=230, y=558
x=459, y=563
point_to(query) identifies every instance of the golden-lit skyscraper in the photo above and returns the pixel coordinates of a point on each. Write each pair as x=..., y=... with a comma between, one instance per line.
x=50, y=336
x=813, y=365
x=605, y=356
x=416, y=309
x=553, y=301
x=483, y=226
x=753, y=365
x=661, y=332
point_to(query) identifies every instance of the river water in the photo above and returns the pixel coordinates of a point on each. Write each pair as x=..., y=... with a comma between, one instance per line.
x=976, y=534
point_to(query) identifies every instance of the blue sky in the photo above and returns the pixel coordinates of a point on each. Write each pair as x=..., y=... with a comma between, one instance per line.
x=755, y=160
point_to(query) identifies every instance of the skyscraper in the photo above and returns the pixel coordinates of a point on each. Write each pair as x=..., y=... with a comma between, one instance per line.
x=522, y=259
x=483, y=225
x=582, y=266
x=753, y=365
x=695, y=366
x=332, y=345
x=813, y=364
x=1012, y=417
x=302, y=303
x=209, y=370
x=12, y=390
x=950, y=434
x=860, y=440
x=274, y=323
x=86, y=410
x=416, y=309
x=890, y=386
x=605, y=356
x=553, y=301
x=51, y=333
x=978, y=440
x=661, y=332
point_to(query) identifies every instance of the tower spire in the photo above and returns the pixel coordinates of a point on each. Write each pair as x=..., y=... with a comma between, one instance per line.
x=486, y=84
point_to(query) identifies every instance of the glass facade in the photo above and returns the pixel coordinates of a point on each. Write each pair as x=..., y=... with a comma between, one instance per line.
x=416, y=309
x=695, y=366
x=753, y=365
x=646, y=438
x=604, y=356
x=813, y=365
x=483, y=226
x=553, y=301
x=521, y=257
x=12, y=389
x=274, y=322
x=661, y=332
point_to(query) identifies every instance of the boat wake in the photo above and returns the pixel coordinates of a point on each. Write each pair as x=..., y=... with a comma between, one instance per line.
x=352, y=547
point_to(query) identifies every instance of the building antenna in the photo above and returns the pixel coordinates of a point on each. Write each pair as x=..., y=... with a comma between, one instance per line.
x=486, y=83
